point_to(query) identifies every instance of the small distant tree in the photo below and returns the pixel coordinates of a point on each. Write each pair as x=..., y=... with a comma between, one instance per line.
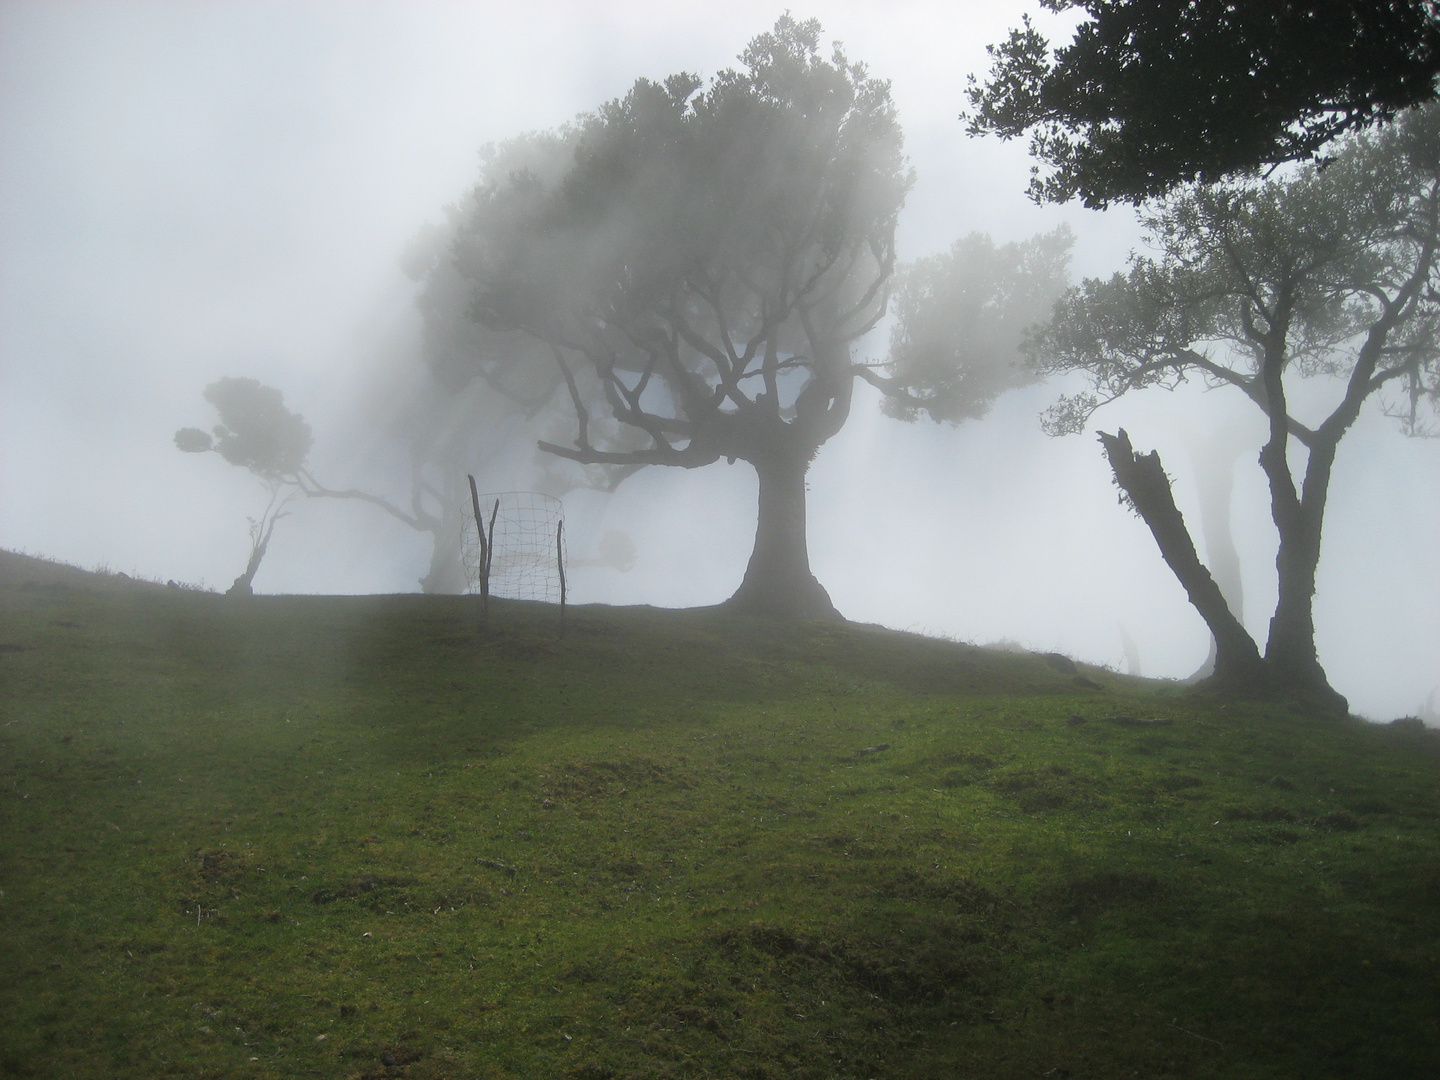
x=1152, y=93
x=258, y=433
x=1328, y=273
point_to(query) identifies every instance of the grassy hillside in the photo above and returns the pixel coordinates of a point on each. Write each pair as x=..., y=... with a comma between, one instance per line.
x=350, y=837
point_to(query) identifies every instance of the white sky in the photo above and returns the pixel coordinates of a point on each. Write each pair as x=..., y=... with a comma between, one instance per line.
x=191, y=190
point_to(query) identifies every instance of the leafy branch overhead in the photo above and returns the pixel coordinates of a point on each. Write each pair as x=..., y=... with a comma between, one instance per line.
x=1330, y=273
x=1151, y=93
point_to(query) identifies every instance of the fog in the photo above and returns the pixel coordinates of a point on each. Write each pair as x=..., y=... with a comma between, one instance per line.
x=189, y=191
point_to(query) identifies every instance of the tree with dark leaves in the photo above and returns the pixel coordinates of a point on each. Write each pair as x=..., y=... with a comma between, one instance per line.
x=1151, y=93
x=699, y=273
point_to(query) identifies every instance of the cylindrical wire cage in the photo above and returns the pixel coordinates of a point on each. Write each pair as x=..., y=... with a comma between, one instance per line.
x=527, y=557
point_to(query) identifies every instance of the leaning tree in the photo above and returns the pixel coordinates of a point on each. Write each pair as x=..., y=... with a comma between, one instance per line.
x=444, y=435
x=1326, y=273
x=256, y=432
x=1151, y=93
x=693, y=267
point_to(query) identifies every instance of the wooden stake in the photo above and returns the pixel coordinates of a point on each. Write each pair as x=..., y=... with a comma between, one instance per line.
x=484, y=556
x=490, y=549
x=560, y=564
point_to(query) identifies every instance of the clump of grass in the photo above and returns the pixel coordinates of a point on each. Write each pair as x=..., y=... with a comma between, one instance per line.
x=350, y=837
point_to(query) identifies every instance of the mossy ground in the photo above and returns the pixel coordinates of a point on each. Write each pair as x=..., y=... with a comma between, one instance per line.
x=351, y=837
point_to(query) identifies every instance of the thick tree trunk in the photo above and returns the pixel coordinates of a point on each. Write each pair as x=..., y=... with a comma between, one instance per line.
x=1291, y=645
x=447, y=567
x=243, y=585
x=1290, y=649
x=1142, y=478
x=778, y=582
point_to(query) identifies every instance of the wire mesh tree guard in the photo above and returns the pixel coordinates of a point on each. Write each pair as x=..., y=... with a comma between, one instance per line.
x=514, y=547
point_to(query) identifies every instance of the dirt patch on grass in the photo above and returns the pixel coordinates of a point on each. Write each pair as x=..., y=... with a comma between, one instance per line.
x=891, y=968
x=392, y=1061
x=1050, y=787
x=601, y=779
x=217, y=865
x=910, y=884
x=1338, y=821
x=1180, y=783
x=1105, y=890
x=364, y=887
x=963, y=768
x=1268, y=814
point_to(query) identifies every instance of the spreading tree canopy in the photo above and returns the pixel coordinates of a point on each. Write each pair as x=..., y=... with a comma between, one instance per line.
x=699, y=272
x=256, y=431
x=690, y=267
x=1329, y=273
x=1151, y=93
x=959, y=318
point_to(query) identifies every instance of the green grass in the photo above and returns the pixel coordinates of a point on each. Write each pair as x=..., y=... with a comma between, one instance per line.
x=350, y=837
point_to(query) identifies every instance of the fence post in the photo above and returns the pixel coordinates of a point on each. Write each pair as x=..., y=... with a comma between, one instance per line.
x=490, y=547
x=484, y=557
x=560, y=564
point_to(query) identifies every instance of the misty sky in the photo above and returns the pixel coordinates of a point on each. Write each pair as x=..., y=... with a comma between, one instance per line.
x=189, y=191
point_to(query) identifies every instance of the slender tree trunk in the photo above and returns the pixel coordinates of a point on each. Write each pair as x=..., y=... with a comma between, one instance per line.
x=1290, y=649
x=1215, y=478
x=1215, y=496
x=243, y=585
x=778, y=582
x=1142, y=478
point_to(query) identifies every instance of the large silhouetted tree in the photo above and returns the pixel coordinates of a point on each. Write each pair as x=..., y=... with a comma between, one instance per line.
x=690, y=267
x=700, y=271
x=1327, y=273
x=1151, y=93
